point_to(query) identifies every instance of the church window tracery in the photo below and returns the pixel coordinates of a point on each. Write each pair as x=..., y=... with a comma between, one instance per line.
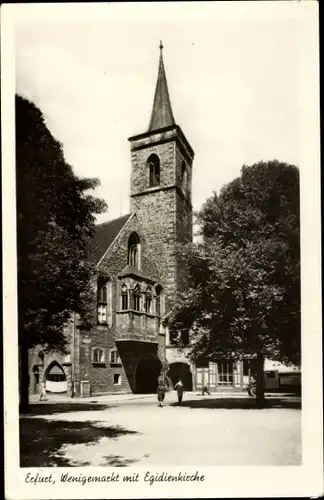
x=134, y=250
x=148, y=300
x=137, y=298
x=102, y=300
x=124, y=298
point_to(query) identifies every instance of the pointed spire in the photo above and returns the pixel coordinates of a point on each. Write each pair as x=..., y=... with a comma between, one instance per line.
x=162, y=115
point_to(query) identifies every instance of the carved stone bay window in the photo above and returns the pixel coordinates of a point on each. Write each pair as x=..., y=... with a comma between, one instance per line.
x=124, y=298
x=148, y=300
x=136, y=305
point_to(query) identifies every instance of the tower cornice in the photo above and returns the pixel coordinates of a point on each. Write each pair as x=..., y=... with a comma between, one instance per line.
x=140, y=141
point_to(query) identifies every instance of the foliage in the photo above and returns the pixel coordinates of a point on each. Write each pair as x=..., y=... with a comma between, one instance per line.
x=243, y=290
x=55, y=222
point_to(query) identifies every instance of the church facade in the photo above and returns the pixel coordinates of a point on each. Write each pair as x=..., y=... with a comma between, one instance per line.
x=138, y=277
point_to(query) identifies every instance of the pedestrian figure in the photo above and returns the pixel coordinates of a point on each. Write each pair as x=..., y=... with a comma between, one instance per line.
x=205, y=389
x=42, y=395
x=161, y=390
x=180, y=390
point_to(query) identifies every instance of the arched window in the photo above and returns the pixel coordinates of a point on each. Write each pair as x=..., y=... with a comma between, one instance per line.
x=102, y=300
x=158, y=297
x=148, y=300
x=154, y=170
x=124, y=298
x=137, y=298
x=134, y=250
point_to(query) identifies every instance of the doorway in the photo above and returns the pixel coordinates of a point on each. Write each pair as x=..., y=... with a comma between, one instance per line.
x=181, y=371
x=225, y=373
x=147, y=373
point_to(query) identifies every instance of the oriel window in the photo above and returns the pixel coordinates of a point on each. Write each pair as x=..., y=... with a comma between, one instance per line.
x=124, y=298
x=148, y=301
x=137, y=299
x=158, y=292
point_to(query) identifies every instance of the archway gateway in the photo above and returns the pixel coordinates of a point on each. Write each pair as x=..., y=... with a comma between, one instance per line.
x=147, y=373
x=181, y=371
x=55, y=378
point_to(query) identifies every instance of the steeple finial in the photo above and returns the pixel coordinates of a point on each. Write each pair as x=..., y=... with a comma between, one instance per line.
x=162, y=115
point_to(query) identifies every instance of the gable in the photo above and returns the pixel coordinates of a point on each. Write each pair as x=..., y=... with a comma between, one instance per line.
x=104, y=236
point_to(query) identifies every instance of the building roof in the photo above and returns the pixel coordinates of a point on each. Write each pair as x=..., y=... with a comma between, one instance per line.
x=162, y=115
x=132, y=271
x=104, y=236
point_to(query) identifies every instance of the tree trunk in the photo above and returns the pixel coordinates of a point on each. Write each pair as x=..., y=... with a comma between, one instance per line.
x=260, y=398
x=24, y=378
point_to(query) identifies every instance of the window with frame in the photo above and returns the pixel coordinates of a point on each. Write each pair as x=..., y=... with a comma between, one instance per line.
x=137, y=298
x=124, y=298
x=174, y=336
x=98, y=355
x=117, y=378
x=158, y=292
x=148, y=300
x=102, y=300
x=154, y=170
x=134, y=250
x=114, y=357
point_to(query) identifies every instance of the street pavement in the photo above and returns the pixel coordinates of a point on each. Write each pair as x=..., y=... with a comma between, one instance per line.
x=221, y=429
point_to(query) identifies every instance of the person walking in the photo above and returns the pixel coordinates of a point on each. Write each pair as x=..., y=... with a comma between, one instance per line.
x=42, y=394
x=205, y=389
x=161, y=390
x=180, y=390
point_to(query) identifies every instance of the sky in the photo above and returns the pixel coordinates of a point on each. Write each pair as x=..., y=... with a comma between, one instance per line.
x=235, y=73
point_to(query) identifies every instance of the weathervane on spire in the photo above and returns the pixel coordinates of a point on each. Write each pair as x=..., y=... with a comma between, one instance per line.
x=161, y=45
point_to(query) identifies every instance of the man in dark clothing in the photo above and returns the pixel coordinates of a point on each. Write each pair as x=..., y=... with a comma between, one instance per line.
x=205, y=389
x=180, y=390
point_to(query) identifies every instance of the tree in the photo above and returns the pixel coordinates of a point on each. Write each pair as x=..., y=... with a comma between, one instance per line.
x=243, y=290
x=55, y=222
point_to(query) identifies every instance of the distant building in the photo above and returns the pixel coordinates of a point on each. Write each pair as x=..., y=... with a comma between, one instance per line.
x=138, y=277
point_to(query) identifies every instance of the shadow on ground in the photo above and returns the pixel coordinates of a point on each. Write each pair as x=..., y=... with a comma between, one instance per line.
x=51, y=408
x=42, y=441
x=239, y=403
x=118, y=461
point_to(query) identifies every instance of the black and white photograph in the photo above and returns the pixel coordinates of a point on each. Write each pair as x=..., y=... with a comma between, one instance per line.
x=161, y=244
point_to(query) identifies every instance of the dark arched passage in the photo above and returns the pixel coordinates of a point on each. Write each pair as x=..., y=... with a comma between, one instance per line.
x=181, y=371
x=55, y=378
x=147, y=372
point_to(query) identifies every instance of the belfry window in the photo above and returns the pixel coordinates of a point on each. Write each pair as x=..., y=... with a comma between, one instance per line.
x=154, y=170
x=134, y=250
x=137, y=298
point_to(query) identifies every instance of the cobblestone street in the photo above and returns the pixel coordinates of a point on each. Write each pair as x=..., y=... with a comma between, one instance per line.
x=219, y=429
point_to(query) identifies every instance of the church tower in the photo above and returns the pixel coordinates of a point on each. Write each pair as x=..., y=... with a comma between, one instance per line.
x=161, y=185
